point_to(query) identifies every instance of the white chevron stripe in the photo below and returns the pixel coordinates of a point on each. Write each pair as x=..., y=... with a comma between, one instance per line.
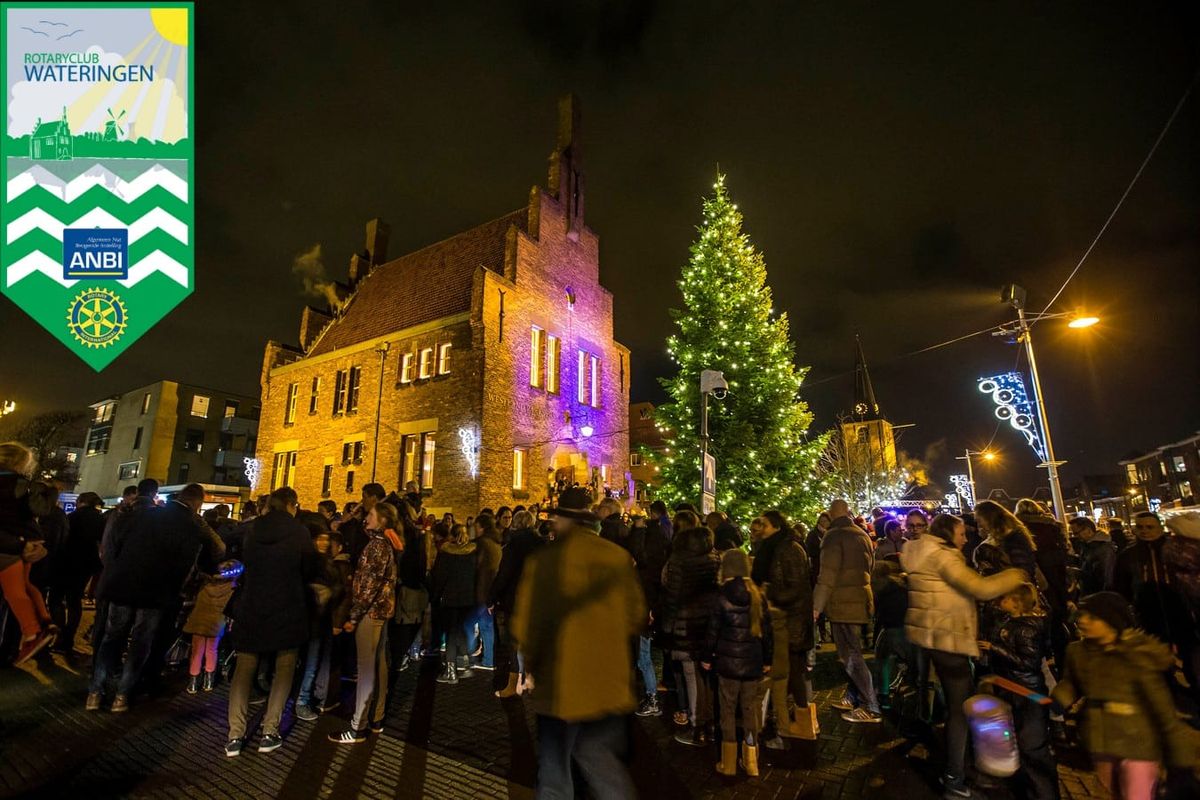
x=158, y=261
x=97, y=218
x=69, y=191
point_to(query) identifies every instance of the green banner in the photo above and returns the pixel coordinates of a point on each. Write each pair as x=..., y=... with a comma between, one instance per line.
x=98, y=207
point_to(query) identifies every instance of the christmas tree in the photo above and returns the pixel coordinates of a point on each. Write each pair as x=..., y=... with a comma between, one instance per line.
x=757, y=433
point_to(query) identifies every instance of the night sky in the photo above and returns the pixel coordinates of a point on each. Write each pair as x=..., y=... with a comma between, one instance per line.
x=896, y=164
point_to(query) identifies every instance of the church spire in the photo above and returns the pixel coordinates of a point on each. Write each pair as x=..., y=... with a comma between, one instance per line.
x=865, y=405
x=566, y=164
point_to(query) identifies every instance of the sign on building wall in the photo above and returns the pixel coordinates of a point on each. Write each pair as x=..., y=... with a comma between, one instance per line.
x=98, y=201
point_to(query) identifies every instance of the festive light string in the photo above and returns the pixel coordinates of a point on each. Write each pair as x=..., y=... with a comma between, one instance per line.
x=1161, y=134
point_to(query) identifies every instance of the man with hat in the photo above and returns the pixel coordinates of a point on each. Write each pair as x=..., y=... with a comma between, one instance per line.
x=578, y=609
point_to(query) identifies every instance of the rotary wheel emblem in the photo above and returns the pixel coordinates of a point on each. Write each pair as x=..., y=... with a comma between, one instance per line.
x=97, y=318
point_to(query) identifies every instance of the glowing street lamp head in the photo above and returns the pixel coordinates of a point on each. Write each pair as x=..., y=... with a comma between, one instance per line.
x=586, y=430
x=1082, y=321
x=988, y=455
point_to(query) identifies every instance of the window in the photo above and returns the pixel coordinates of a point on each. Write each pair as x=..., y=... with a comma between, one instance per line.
x=314, y=394
x=1185, y=491
x=426, y=363
x=518, y=482
x=193, y=440
x=289, y=408
x=350, y=481
x=443, y=360
x=200, y=406
x=327, y=480
x=97, y=441
x=137, y=438
x=283, y=470
x=104, y=412
x=184, y=470
x=355, y=380
x=581, y=376
x=635, y=459
x=537, y=345
x=129, y=471
x=863, y=435
x=553, y=353
x=358, y=452
x=352, y=452
x=406, y=368
x=146, y=403
x=339, y=393
x=1131, y=474
x=1180, y=464
x=417, y=457
x=231, y=408
x=595, y=376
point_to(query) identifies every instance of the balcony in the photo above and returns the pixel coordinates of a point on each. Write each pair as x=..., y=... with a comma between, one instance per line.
x=239, y=426
x=231, y=458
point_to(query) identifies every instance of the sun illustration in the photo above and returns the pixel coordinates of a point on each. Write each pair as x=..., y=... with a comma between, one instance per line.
x=172, y=24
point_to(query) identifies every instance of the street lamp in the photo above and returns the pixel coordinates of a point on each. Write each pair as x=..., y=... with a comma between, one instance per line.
x=1015, y=296
x=711, y=382
x=7, y=407
x=988, y=455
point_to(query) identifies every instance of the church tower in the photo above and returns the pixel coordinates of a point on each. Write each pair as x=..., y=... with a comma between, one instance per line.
x=868, y=436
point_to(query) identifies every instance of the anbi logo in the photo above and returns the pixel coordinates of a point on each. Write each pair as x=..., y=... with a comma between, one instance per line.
x=95, y=253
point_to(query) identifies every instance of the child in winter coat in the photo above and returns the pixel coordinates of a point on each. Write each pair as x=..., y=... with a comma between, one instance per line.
x=1019, y=645
x=207, y=623
x=893, y=652
x=1128, y=718
x=739, y=644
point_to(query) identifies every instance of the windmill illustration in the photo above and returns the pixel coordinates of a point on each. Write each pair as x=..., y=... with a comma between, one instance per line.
x=112, y=127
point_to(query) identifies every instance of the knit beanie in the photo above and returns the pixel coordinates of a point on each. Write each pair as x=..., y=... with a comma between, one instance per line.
x=1110, y=607
x=735, y=564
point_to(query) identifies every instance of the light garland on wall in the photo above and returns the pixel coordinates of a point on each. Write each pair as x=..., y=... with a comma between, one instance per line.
x=251, y=465
x=468, y=443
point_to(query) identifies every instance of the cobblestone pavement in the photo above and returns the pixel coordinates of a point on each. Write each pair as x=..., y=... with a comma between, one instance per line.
x=440, y=742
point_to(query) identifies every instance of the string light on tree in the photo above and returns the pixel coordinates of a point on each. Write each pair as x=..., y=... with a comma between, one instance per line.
x=758, y=433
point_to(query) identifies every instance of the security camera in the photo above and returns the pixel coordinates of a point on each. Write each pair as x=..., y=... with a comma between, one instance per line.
x=713, y=382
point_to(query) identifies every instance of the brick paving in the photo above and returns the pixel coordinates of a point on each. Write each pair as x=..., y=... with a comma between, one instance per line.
x=440, y=742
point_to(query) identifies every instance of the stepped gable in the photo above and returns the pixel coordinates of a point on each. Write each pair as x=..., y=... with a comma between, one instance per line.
x=425, y=285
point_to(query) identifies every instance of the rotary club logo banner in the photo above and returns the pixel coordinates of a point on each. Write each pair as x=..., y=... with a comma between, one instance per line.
x=98, y=199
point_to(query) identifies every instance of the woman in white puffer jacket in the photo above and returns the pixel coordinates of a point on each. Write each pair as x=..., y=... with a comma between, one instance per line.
x=942, y=619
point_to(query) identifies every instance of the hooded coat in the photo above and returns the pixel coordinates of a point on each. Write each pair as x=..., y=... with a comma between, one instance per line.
x=782, y=569
x=731, y=646
x=942, y=591
x=207, y=617
x=274, y=604
x=452, y=581
x=1129, y=712
x=690, y=590
x=843, y=591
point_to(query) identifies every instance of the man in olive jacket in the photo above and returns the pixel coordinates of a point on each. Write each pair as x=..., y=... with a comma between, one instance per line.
x=579, y=607
x=843, y=594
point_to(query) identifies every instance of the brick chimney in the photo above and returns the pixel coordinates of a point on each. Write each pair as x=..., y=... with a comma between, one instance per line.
x=377, y=241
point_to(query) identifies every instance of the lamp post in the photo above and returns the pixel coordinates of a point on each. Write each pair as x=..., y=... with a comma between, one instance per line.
x=1015, y=296
x=711, y=382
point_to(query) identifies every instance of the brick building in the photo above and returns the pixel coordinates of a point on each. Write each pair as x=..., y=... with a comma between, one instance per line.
x=482, y=367
x=644, y=435
x=173, y=432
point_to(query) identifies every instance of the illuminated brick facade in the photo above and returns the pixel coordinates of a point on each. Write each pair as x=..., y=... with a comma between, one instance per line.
x=419, y=357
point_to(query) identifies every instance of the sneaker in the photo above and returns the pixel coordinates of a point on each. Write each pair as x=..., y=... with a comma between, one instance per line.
x=953, y=790
x=306, y=712
x=233, y=748
x=405, y=661
x=649, y=707
x=862, y=715
x=33, y=646
x=844, y=703
x=270, y=742
x=466, y=672
x=94, y=699
x=774, y=743
x=449, y=675
x=120, y=704
x=488, y=667
x=330, y=706
x=348, y=736
x=693, y=736
x=257, y=699
x=377, y=727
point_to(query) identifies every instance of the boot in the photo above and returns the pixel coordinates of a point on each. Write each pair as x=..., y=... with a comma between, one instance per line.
x=783, y=715
x=749, y=760
x=193, y=685
x=728, y=764
x=210, y=680
x=511, y=689
x=804, y=724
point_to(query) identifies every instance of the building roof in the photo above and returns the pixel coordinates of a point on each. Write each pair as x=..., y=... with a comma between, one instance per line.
x=425, y=285
x=51, y=128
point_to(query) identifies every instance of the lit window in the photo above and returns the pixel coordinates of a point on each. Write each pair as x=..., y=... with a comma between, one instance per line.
x=231, y=408
x=199, y=406
x=426, y=364
x=97, y=441
x=283, y=470
x=635, y=459
x=417, y=457
x=1180, y=464
x=581, y=376
x=314, y=394
x=128, y=472
x=193, y=441
x=146, y=403
x=406, y=368
x=553, y=354
x=518, y=476
x=443, y=365
x=355, y=380
x=537, y=345
x=604, y=474
x=408, y=457
x=289, y=409
x=595, y=369
x=428, y=443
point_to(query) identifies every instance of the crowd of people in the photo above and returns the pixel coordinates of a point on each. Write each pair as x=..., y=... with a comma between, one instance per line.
x=591, y=614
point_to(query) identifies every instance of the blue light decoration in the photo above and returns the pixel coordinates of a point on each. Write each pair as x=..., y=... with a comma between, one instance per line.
x=1012, y=404
x=963, y=488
